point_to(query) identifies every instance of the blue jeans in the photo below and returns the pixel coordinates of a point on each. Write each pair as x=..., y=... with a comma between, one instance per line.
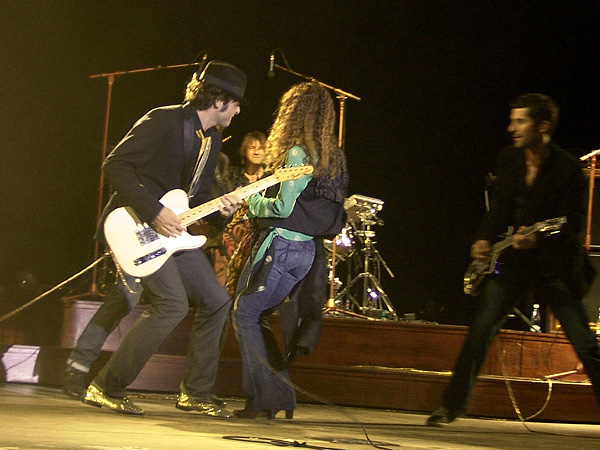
x=499, y=296
x=264, y=385
x=301, y=318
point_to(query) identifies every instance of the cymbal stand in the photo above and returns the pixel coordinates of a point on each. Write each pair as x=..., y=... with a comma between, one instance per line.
x=372, y=296
x=591, y=182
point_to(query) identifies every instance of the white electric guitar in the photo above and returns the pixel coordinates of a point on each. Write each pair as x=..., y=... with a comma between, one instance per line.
x=141, y=251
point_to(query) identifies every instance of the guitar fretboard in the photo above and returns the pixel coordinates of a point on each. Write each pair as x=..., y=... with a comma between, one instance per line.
x=197, y=213
x=505, y=243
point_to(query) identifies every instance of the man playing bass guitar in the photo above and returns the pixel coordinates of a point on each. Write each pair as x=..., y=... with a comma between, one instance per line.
x=536, y=181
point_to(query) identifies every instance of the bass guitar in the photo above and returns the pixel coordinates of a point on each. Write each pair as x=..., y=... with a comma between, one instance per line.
x=141, y=251
x=478, y=270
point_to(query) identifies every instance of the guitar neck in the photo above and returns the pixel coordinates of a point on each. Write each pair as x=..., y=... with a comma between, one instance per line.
x=505, y=243
x=197, y=213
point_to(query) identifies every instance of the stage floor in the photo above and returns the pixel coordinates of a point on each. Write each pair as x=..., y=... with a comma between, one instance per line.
x=40, y=418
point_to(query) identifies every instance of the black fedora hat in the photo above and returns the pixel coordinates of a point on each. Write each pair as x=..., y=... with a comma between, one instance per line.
x=226, y=77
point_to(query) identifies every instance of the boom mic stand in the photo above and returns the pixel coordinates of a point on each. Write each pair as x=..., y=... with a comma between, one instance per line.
x=110, y=78
x=341, y=96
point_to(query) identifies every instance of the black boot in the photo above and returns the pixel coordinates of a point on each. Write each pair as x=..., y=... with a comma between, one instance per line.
x=74, y=383
x=293, y=354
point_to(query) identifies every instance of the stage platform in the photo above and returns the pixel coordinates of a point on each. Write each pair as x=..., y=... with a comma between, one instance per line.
x=41, y=418
x=359, y=363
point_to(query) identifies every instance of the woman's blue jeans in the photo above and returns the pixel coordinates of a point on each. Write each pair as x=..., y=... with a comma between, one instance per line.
x=266, y=386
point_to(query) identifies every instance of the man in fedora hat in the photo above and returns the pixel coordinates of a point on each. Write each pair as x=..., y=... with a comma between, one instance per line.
x=174, y=147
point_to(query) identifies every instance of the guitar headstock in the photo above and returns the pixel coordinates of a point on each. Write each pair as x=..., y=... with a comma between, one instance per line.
x=551, y=225
x=293, y=173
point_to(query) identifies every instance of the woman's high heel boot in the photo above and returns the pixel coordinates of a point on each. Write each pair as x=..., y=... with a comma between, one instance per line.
x=271, y=413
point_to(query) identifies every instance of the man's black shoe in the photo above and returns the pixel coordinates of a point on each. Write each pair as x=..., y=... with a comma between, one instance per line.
x=443, y=416
x=74, y=383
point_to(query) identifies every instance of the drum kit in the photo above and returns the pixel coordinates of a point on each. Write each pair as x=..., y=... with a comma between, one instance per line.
x=363, y=294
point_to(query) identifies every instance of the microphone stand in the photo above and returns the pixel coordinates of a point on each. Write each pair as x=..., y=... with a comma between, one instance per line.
x=110, y=78
x=341, y=96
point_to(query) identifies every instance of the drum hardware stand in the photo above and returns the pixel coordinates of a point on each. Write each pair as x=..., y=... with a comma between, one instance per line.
x=364, y=210
x=371, y=284
x=333, y=301
x=591, y=182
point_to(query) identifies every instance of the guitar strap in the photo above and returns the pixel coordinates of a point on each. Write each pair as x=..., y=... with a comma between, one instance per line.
x=203, y=153
x=188, y=146
x=188, y=135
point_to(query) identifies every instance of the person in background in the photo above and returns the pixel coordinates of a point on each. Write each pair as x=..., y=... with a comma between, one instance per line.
x=252, y=152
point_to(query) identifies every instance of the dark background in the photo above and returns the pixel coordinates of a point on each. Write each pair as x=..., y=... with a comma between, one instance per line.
x=435, y=79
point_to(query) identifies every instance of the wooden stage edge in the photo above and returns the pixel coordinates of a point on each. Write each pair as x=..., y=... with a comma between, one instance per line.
x=375, y=364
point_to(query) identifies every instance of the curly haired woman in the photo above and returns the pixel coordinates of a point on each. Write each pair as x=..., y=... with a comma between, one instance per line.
x=301, y=212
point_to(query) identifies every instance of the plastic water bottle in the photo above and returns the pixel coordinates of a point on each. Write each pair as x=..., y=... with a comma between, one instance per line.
x=536, y=319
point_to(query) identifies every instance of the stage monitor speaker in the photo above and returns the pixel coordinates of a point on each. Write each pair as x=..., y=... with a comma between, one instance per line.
x=592, y=301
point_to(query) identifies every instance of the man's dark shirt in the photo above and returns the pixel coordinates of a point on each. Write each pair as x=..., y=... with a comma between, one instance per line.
x=558, y=190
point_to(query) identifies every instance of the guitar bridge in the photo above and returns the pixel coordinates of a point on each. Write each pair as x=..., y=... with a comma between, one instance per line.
x=149, y=256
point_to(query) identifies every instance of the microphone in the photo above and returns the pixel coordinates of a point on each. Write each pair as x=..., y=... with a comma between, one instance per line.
x=271, y=72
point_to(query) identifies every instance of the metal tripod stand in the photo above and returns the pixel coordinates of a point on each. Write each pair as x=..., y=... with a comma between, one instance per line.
x=372, y=297
x=334, y=305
